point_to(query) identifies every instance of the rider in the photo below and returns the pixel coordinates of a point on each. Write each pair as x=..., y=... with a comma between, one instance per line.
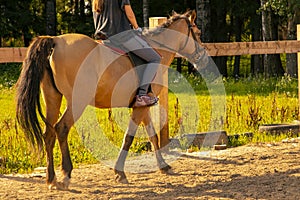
x=111, y=18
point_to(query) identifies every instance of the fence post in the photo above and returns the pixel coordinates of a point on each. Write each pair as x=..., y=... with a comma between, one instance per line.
x=161, y=120
x=298, y=38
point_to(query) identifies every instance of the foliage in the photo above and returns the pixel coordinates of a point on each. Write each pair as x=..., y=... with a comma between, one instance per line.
x=16, y=154
x=9, y=74
x=21, y=19
x=283, y=8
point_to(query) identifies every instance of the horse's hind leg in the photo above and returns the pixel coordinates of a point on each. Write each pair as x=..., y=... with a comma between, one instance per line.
x=163, y=166
x=52, y=99
x=62, y=130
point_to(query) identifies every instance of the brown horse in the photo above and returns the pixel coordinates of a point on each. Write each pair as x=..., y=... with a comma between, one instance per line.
x=86, y=73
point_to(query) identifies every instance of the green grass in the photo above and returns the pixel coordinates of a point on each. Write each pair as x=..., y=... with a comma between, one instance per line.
x=250, y=102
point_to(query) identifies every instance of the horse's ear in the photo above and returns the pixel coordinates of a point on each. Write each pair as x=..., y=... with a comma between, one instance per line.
x=188, y=13
x=193, y=16
x=174, y=13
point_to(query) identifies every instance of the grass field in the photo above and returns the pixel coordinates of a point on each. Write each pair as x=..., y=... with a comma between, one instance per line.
x=249, y=102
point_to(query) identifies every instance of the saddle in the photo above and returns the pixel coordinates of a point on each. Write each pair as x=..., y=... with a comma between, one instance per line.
x=136, y=61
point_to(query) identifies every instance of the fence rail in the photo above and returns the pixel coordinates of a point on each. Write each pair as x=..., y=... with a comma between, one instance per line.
x=244, y=48
x=17, y=54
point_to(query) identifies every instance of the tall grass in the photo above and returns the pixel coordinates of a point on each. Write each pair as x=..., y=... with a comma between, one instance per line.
x=250, y=102
x=15, y=152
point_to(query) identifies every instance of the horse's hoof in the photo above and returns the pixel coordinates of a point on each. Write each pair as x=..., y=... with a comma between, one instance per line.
x=167, y=170
x=66, y=183
x=59, y=185
x=62, y=186
x=120, y=177
x=52, y=186
x=121, y=180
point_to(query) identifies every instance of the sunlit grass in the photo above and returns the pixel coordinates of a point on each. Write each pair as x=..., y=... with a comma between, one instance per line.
x=250, y=102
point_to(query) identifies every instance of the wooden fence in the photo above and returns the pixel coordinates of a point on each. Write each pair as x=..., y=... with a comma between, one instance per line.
x=18, y=54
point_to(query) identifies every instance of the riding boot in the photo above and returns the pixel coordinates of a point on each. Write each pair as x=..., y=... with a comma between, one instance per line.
x=142, y=98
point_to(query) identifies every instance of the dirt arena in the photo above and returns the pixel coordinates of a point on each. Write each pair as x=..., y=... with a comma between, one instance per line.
x=261, y=171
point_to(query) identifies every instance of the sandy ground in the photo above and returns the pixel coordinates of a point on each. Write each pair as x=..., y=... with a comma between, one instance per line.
x=261, y=171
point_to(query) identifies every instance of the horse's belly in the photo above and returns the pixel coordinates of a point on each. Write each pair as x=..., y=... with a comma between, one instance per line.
x=116, y=89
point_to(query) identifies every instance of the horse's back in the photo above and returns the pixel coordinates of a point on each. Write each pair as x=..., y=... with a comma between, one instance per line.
x=72, y=47
x=85, y=70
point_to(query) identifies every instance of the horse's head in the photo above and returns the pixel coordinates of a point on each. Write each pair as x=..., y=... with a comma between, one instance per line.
x=189, y=39
x=181, y=35
x=195, y=30
x=189, y=18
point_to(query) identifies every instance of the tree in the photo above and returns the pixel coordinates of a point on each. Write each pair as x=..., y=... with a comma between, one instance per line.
x=219, y=30
x=289, y=12
x=146, y=13
x=51, y=17
x=256, y=33
x=75, y=16
x=20, y=21
x=203, y=19
x=272, y=63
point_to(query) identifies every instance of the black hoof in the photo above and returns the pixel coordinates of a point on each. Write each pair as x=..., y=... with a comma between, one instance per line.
x=166, y=170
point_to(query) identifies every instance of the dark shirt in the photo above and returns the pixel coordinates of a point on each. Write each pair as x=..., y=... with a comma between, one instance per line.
x=113, y=19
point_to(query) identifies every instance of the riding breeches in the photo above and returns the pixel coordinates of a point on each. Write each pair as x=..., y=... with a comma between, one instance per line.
x=134, y=43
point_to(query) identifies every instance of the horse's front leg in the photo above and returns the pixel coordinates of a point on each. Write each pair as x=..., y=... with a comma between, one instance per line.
x=136, y=118
x=163, y=166
x=127, y=141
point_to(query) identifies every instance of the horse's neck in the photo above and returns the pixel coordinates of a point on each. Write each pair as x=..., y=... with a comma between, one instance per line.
x=167, y=56
x=165, y=45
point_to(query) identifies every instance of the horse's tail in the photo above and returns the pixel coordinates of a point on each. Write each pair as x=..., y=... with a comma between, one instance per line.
x=28, y=107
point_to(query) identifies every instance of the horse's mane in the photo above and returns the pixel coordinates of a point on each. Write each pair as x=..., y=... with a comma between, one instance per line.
x=175, y=16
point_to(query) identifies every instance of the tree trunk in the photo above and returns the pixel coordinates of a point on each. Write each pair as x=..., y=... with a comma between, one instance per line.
x=76, y=7
x=277, y=64
x=146, y=13
x=256, y=60
x=267, y=36
x=204, y=19
x=219, y=31
x=51, y=17
x=81, y=9
x=291, y=59
x=26, y=36
x=238, y=23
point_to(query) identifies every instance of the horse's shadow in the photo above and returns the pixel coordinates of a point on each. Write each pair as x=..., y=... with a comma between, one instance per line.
x=23, y=178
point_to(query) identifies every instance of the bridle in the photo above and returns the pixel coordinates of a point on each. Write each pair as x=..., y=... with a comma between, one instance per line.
x=198, y=54
x=190, y=31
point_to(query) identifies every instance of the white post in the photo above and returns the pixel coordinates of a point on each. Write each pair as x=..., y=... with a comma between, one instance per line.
x=159, y=122
x=298, y=38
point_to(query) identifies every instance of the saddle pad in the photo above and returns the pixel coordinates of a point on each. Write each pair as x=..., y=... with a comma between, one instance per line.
x=115, y=49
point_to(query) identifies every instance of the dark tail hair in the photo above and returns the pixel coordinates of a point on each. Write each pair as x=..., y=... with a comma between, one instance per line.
x=28, y=105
